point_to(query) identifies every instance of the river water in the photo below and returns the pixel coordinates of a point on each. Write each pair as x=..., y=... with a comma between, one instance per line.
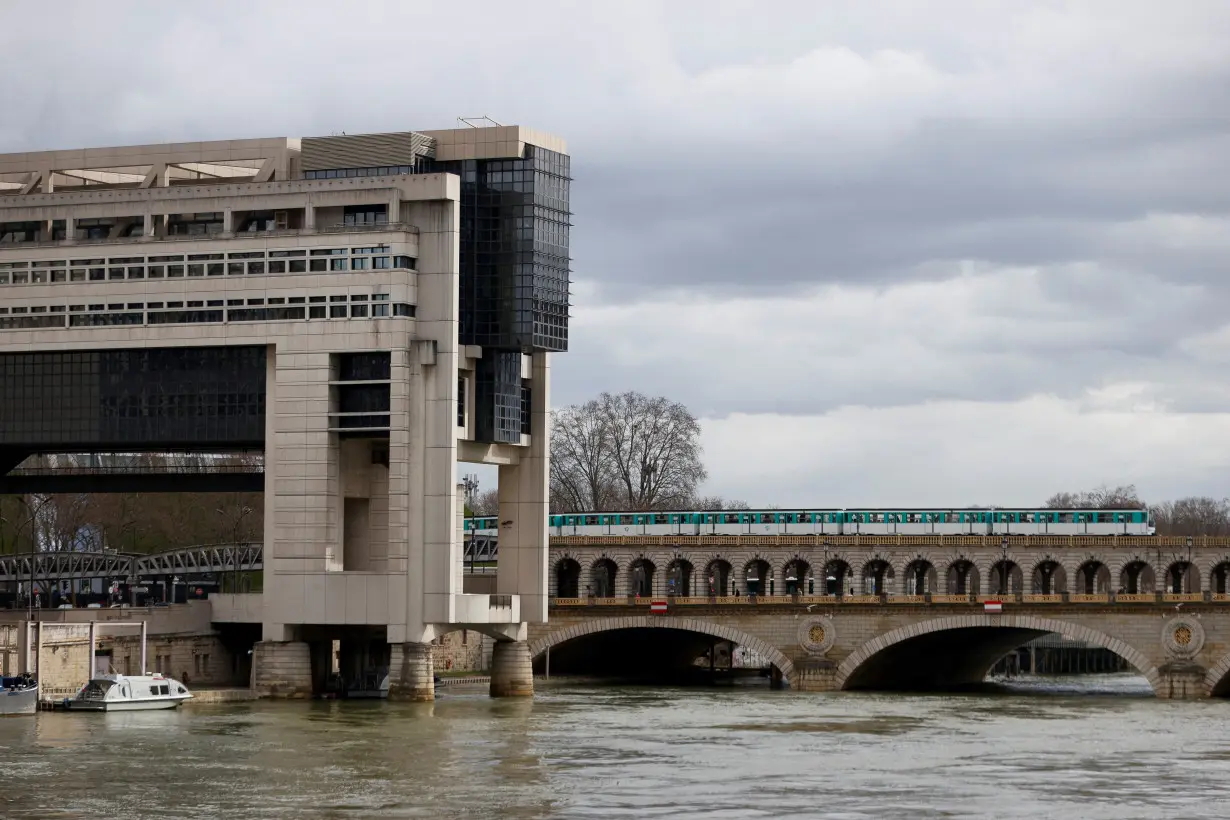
x=1093, y=747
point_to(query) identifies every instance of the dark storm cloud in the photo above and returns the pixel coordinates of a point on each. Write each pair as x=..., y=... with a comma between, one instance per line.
x=784, y=207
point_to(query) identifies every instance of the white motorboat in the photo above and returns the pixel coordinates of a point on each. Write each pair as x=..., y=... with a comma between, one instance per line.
x=128, y=693
x=18, y=695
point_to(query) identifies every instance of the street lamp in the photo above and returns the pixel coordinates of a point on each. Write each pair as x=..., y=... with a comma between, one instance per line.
x=1187, y=571
x=1003, y=566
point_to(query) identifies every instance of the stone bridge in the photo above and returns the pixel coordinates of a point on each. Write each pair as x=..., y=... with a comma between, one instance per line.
x=1181, y=647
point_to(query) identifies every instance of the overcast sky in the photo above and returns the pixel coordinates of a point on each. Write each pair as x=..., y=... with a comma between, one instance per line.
x=915, y=253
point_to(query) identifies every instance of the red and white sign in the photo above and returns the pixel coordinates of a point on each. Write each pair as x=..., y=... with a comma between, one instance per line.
x=657, y=606
x=993, y=606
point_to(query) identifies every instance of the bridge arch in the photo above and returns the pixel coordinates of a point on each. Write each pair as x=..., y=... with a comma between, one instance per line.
x=697, y=626
x=858, y=666
x=1217, y=679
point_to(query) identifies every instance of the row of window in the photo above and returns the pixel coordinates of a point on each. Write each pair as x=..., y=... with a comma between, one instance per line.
x=173, y=267
x=192, y=311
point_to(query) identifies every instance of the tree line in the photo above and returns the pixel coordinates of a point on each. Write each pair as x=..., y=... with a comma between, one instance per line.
x=1194, y=515
x=129, y=522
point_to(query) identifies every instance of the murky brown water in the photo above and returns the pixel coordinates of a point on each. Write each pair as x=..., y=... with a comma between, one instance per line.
x=1084, y=748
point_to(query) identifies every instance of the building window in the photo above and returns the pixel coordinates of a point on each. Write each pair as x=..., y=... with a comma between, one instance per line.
x=359, y=215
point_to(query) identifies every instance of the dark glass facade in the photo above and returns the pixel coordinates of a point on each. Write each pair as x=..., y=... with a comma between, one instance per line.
x=497, y=397
x=515, y=223
x=136, y=399
x=515, y=271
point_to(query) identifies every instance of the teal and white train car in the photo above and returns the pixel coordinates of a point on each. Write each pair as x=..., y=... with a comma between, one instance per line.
x=615, y=523
x=1072, y=522
x=842, y=522
x=769, y=522
x=481, y=525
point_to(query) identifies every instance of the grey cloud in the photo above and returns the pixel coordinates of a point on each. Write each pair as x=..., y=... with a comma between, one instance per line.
x=720, y=149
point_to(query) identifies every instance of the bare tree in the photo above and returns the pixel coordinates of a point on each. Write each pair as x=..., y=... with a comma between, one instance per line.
x=655, y=447
x=716, y=502
x=626, y=451
x=1101, y=498
x=581, y=474
x=1193, y=516
x=486, y=502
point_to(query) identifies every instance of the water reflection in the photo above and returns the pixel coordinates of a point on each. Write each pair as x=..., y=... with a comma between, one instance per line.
x=1091, y=747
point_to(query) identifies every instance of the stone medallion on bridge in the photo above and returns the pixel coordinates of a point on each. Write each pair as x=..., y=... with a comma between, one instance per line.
x=817, y=635
x=1183, y=637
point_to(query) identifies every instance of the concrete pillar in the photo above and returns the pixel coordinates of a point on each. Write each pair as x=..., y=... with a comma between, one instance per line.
x=512, y=673
x=411, y=672
x=309, y=217
x=282, y=669
x=70, y=230
x=228, y=222
x=151, y=226
x=395, y=208
x=523, y=495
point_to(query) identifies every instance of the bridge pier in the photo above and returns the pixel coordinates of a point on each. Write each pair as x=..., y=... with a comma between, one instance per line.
x=282, y=669
x=818, y=675
x=411, y=672
x=1181, y=680
x=512, y=672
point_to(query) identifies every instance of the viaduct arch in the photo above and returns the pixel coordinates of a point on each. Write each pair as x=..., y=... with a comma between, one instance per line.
x=595, y=626
x=961, y=649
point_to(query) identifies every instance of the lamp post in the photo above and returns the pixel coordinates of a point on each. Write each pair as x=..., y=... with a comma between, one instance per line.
x=1003, y=567
x=1187, y=571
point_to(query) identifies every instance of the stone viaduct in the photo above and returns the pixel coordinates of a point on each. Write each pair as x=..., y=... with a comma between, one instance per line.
x=897, y=613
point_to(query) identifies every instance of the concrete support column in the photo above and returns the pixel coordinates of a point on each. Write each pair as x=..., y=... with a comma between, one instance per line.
x=228, y=222
x=395, y=209
x=282, y=669
x=524, y=491
x=411, y=672
x=70, y=230
x=512, y=673
x=309, y=217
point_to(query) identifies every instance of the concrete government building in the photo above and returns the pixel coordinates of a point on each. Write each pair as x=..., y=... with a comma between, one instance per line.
x=367, y=310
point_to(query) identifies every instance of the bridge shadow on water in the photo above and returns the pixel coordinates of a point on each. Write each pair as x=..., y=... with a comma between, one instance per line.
x=944, y=663
x=650, y=657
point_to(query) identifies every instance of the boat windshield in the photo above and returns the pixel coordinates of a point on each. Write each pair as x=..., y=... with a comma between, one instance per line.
x=96, y=689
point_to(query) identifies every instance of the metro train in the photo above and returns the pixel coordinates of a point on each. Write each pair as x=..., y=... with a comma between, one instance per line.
x=843, y=522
